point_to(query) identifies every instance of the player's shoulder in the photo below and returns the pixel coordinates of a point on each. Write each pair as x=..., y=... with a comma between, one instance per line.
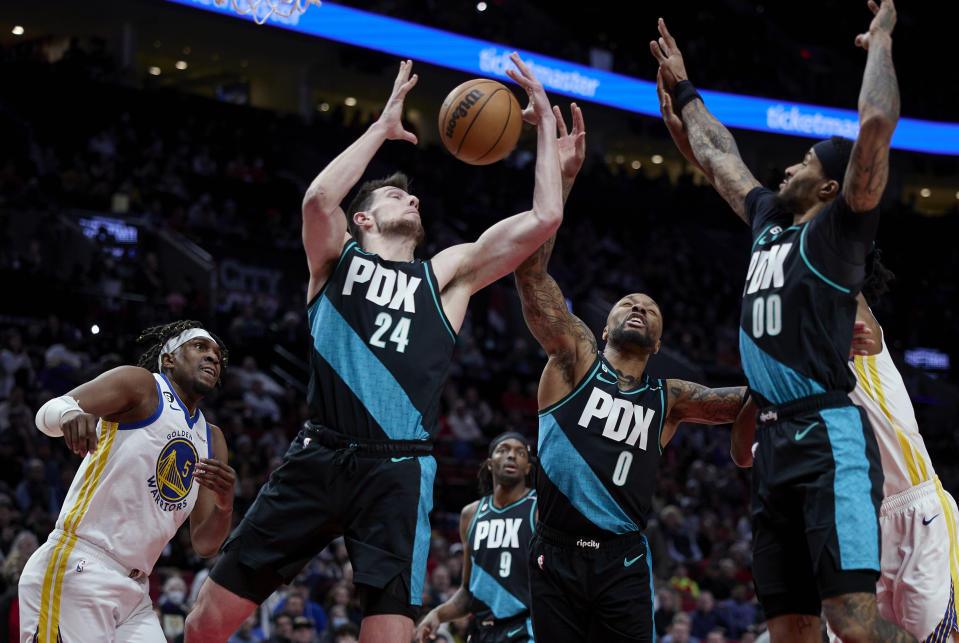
x=470, y=509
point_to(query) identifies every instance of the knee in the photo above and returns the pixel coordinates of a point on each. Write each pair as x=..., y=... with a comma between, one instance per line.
x=204, y=623
x=851, y=617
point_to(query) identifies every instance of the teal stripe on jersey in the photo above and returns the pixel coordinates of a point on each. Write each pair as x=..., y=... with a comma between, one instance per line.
x=500, y=601
x=857, y=525
x=378, y=391
x=652, y=590
x=421, y=541
x=772, y=379
x=572, y=475
x=802, y=253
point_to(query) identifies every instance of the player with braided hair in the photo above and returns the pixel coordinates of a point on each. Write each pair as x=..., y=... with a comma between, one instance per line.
x=144, y=444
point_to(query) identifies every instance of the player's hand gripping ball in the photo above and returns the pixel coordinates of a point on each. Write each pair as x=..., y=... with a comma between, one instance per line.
x=480, y=121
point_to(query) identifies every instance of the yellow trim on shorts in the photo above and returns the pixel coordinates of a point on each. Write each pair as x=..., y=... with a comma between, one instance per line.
x=56, y=567
x=908, y=453
x=951, y=525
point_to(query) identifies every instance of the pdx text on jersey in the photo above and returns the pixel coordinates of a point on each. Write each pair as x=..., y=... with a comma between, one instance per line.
x=624, y=420
x=497, y=532
x=384, y=287
x=766, y=268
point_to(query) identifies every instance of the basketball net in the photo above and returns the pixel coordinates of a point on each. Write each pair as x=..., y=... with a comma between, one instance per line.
x=261, y=10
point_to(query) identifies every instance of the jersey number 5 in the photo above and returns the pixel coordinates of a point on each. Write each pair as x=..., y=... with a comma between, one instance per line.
x=767, y=316
x=400, y=333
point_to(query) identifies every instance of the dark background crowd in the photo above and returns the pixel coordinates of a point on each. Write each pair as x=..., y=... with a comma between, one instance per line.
x=123, y=206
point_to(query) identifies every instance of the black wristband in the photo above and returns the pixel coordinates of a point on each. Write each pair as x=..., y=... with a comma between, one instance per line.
x=684, y=93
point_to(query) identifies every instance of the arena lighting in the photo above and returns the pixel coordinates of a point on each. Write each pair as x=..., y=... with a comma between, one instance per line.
x=154, y=71
x=17, y=30
x=481, y=6
x=181, y=65
x=474, y=56
x=95, y=329
x=925, y=193
x=657, y=159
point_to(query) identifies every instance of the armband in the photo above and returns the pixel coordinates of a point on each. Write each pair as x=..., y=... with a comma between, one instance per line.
x=51, y=415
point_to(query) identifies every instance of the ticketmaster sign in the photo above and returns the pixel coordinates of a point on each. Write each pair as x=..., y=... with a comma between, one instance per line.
x=409, y=40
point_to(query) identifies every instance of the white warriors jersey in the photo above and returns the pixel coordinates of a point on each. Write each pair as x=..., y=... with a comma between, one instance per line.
x=131, y=495
x=882, y=393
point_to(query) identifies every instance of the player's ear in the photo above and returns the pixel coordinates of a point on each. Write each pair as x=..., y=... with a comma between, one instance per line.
x=659, y=344
x=166, y=361
x=829, y=190
x=605, y=332
x=363, y=219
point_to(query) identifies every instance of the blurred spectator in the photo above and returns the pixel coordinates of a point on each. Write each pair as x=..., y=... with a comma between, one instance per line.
x=15, y=366
x=679, y=630
x=304, y=630
x=666, y=605
x=34, y=491
x=738, y=612
x=680, y=539
x=248, y=632
x=261, y=405
x=705, y=618
x=282, y=629
x=173, y=607
x=15, y=408
x=298, y=604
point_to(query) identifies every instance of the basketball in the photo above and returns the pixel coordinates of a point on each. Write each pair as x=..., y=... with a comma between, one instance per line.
x=480, y=121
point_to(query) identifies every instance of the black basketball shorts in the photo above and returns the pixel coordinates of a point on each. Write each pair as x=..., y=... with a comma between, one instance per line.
x=584, y=589
x=380, y=504
x=816, y=492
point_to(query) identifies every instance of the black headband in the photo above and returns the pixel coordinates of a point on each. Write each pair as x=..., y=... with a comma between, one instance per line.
x=833, y=158
x=507, y=436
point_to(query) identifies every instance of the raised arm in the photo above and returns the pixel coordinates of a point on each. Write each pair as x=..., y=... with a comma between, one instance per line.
x=465, y=268
x=868, y=167
x=212, y=513
x=458, y=604
x=324, y=222
x=674, y=124
x=691, y=402
x=712, y=145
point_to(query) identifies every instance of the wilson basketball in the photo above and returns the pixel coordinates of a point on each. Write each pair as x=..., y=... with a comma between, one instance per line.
x=480, y=121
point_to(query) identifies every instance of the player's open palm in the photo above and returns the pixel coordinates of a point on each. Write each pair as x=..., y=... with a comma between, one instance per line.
x=392, y=116
x=80, y=432
x=539, y=107
x=571, y=145
x=883, y=22
x=219, y=478
x=670, y=59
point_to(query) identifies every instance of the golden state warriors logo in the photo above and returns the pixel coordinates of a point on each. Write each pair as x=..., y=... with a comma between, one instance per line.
x=174, y=474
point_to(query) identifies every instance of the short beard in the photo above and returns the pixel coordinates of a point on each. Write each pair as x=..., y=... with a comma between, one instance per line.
x=202, y=388
x=404, y=228
x=789, y=203
x=627, y=336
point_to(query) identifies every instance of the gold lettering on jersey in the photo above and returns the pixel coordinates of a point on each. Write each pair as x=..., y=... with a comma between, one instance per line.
x=766, y=268
x=384, y=287
x=623, y=419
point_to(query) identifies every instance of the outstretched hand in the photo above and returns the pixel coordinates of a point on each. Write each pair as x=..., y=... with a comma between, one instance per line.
x=670, y=59
x=883, y=22
x=571, y=144
x=673, y=122
x=538, y=108
x=392, y=117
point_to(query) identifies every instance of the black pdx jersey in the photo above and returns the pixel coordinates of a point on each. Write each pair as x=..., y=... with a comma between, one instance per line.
x=799, y=301
x=499, y=546
x=381, y=348
x=599, y=451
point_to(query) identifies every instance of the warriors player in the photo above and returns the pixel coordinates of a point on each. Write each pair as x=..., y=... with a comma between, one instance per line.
x=495, y=531
x=145, y=445
x=383, y=325
x=817, y=481
x=918, y=518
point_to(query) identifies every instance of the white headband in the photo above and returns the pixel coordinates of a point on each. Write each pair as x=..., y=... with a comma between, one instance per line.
x=176, y=342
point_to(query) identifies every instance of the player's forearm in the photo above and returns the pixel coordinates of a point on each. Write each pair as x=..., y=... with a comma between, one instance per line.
x=567, y=187
x=211, y=531
x=456, y=607
x=879, y=95
x=331, y=186
x=709, y=140
x=548, y=185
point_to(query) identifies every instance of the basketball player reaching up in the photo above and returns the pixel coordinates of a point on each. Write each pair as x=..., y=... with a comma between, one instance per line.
x=145, y=444
x=383, y=325
x=495, y=531
x=817, y=480
x=603, y=423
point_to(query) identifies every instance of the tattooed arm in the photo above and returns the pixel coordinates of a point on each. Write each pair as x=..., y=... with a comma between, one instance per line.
x=564, y=337
x=711, y=143
x=691, y=402
x=868, y=167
